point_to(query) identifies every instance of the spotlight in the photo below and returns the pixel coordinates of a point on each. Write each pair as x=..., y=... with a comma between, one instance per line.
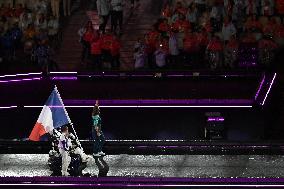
x=215, y=126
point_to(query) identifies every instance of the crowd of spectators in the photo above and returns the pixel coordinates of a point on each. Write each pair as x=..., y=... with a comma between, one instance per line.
x=213, y=34
x=30, y=29
x=102, y=47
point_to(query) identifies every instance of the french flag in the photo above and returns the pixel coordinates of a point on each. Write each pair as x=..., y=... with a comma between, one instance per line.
x=53, y=115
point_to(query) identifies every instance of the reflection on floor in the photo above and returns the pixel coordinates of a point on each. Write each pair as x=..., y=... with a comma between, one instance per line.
x=193, y=166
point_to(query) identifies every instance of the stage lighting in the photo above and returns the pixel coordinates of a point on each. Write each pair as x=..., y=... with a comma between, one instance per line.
x=215, y=126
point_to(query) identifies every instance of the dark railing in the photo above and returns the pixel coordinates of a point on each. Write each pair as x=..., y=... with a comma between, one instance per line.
x=156, y=147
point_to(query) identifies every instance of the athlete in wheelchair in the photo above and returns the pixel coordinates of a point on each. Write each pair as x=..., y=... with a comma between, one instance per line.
x=66, y=156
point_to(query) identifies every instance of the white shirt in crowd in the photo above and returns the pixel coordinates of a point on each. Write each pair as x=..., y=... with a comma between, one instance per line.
x=140, y=59
x=192, y=16
x=267, y=6
x=173, y=45
x=41, y=7
x=53, y=26
x=103, y=7
x=251, y=6
x=117, y=5
x=228, y=31
x=41, y=24
x=25, y=20
x=160, y=58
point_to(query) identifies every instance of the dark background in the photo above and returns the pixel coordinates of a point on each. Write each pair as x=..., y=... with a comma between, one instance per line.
x=252, y=124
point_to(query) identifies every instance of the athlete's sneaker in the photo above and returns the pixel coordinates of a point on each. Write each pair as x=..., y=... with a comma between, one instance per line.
x=101, y=153
x=96, y=155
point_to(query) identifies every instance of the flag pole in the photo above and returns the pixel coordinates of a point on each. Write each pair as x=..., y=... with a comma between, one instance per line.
x=66, y=113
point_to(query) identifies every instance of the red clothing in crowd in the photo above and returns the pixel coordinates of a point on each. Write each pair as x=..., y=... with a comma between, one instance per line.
x=152, y=40
x=107, y=40
x=164, y=27
x=182, y=10
x=115, y=47
x=253, y=24
x=89, y=36
x=181, y=26
x=267, y=44
x=251, y=5
x=215, y=45
x=7, y=12
x=279, y=6
x=269, y=28
x=229, y=8
x=202, y=38
x=208, y=27
x=233, y=44
x=219, y=2
x=96, y=47
x=279, y=31
x=190, y=43
x=167, y=12
x=18, y=12
x=249, y=38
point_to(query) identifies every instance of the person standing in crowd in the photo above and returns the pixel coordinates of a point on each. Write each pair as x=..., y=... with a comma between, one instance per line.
x=279, y=5
x=25, y=21
x=53, y=27
x=86, y=34
x=267, y=7
x=64, y=147
x=190, y=49
x=151, y=40
x=42, y=53
x=228, y=30
x=139, y=54
x=251, y=7
x=67, y=7
x=97, y=134
x=133, y=3
x=55, y=7
x=173, y=50
x=41, y=22
x=96, y=52
x=41, y=7
x=116, y=15
x=115, y=53
x=103, y=8
x=107, y=40
x=231, y=53
x=201, y=6
x=160, y=57
x=215, y=53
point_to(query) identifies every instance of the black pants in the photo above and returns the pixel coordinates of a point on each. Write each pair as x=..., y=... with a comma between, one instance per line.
x=53, y=65
x=97, y=61
x=151, y=61
x=174, y=61
x=115, y=63
x=132, y=2
x=106, y=56
x=104, y=23
x=86, y=50
x=116, y=19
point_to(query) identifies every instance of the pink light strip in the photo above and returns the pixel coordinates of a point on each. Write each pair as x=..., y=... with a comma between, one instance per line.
x=17, y=80
x=8, y=107
x=16, y=75
x=264, y=100
x=147, y=106
x=260, y=87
